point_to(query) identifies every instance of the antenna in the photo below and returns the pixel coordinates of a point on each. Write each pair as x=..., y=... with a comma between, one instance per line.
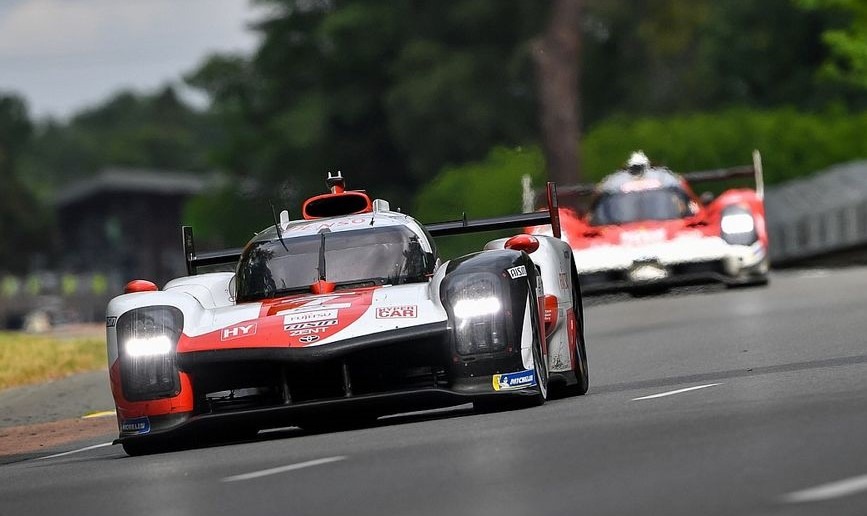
x=336, y=183
x=277, y=225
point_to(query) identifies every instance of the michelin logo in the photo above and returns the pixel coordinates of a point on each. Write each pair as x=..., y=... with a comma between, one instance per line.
x=512, y=381
x=140, y=425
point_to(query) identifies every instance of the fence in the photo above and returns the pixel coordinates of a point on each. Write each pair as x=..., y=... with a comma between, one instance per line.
x=820, y=215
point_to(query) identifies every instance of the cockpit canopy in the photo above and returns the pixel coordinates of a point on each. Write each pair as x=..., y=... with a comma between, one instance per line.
x=381, y=255
x=619, y=207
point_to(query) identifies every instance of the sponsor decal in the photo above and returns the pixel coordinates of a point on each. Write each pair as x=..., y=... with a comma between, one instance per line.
x=110, y=322
x=643, y=237
x=641, y=184
x=307, y=339
x=307, y=331
x=564, y=284
x=300, y=316
x=238, y=331
x=139, y=425
x=647, y=272
x=512, y=381
x=310, y=324
x=517, y=272
x=317, y=226
x=396, y=312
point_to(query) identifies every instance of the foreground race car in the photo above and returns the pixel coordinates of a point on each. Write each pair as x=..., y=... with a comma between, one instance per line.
x=342, y=317
x=646, y=230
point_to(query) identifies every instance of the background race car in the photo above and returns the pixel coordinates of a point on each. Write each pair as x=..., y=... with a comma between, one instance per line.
x=342, y=317
x=643, y=228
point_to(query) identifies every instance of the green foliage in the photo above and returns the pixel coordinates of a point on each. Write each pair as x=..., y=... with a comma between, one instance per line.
x=847, y=41
x=149, y=131
x=388, y=92
x=793, y=144
x=23, y=221
x=481, y=189
x=228, y=216
x=658, y=57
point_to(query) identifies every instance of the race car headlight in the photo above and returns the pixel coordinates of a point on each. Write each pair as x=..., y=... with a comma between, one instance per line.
x=479, y=323
x=147, y=338
x=737, y=226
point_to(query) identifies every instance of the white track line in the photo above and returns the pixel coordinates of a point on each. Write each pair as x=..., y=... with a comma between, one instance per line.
x=669, y=393
x=95, y=446
x=283, y=469
x=828, y=491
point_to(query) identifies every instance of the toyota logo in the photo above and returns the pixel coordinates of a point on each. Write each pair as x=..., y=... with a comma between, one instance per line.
x=307, y=339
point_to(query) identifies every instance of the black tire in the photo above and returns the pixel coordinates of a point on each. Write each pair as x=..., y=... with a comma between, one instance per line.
x=582, y=369
x=759, y=278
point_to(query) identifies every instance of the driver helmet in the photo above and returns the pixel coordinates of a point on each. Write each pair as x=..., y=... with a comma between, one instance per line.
x=638, y=163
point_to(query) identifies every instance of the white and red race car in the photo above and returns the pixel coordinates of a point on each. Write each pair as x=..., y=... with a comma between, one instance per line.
x=645, y=229
x=341, y=317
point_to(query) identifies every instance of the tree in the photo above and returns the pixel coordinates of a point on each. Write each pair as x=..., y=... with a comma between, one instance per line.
x=156, y=130
x=557, y=55
x=846, y=42
x=389, y=92
x=22, y=221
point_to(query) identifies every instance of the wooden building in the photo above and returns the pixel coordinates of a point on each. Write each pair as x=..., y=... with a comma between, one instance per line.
x=125, y=223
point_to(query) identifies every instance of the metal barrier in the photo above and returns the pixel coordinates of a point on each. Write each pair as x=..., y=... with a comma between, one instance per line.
x=819, y=215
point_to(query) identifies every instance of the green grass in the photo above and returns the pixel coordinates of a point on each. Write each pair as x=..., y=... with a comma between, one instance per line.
x=26, y=359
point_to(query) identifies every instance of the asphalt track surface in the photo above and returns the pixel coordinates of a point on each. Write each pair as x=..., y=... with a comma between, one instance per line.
x=774, y=422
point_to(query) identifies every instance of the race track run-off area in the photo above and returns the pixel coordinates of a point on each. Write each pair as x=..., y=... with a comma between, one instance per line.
x=746, y=401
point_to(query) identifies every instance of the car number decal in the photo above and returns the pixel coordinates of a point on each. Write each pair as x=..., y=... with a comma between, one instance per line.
x=517, y=272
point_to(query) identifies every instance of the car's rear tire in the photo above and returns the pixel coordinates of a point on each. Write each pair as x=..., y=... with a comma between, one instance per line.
x=582, y=367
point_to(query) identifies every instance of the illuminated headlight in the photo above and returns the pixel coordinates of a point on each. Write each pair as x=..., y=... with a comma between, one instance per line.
x=738, y=223
x=148, y=346
x=479, y=320
x=737, y=226
x=147, y=338
x=468, y=308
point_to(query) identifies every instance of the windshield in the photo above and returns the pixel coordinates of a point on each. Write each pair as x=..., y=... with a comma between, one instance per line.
x=389, y=255
x=624, y=207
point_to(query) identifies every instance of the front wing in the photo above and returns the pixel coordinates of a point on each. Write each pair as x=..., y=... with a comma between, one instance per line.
x=391, y=372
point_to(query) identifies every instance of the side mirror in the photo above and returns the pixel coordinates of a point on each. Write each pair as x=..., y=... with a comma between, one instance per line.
x=524, y=242
x=706, y=198
x=232, y=288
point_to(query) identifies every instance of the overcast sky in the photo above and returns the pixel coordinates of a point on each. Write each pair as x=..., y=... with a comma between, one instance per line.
x=63, y=55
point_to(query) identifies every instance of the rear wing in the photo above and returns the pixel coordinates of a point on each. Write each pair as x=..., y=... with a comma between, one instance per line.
x=721, y=174
x=464, y=226
x=210, y=258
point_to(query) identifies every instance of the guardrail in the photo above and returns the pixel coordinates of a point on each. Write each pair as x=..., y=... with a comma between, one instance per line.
x=823, y=214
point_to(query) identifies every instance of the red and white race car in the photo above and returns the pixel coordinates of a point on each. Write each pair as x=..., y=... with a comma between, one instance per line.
x=645, y=229
x=341, y=317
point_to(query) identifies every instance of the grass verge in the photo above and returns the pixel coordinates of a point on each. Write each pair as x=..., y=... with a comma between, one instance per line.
x=26, y=359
